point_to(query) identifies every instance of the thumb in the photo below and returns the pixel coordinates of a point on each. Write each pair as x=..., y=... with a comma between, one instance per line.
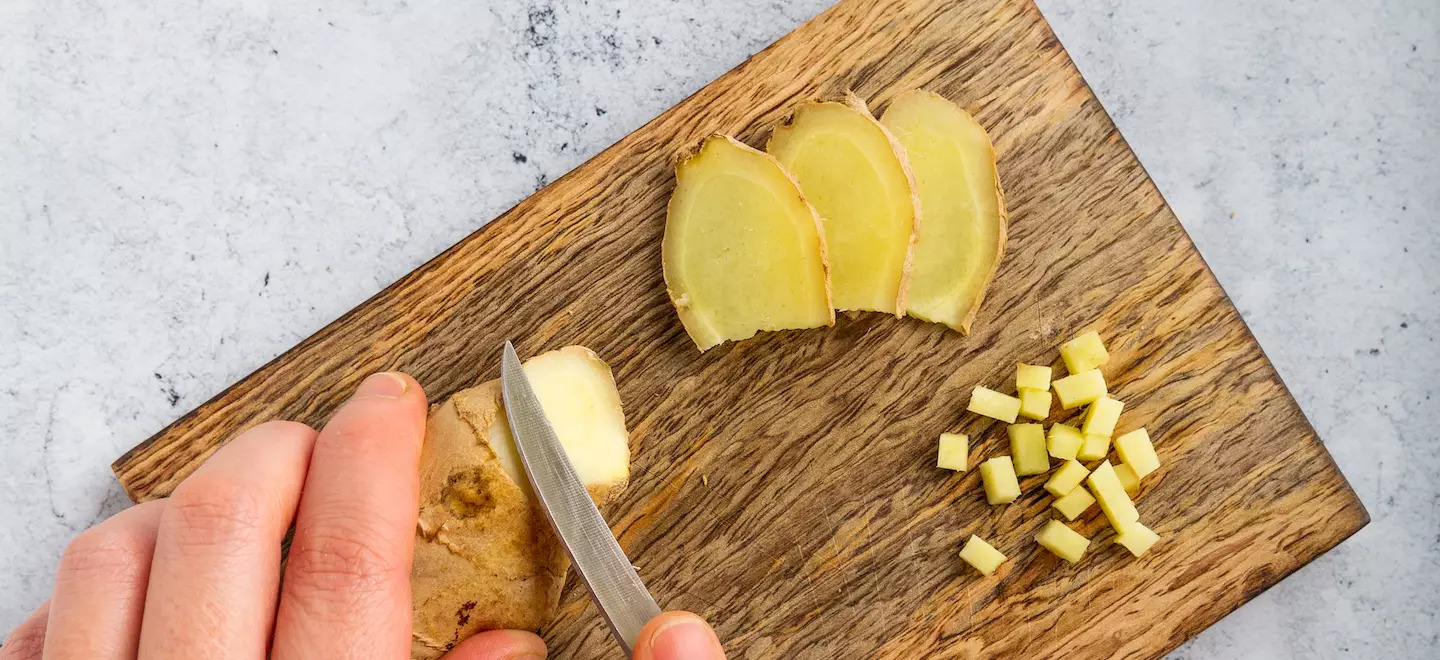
x=499, y=645
x=678, y=636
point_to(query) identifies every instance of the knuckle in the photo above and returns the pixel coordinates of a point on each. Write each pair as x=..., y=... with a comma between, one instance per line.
x=212, y=510
x=104, y=553
x=24, y=643
x=341, y=556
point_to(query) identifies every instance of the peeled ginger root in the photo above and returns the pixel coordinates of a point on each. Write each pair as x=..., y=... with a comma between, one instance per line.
x=854, y=173
x=963, y=234
x=743, y=251
x=485, y=556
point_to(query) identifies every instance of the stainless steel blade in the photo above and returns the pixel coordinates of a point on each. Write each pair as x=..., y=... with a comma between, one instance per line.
x=618, y=593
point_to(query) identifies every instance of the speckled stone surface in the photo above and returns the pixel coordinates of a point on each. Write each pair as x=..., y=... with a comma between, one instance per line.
x=187, y=191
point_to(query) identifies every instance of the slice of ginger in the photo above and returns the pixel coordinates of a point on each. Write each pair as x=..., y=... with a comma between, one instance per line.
x=983, y=556
x=962, y=208
x=855, y=174
x=743, y=251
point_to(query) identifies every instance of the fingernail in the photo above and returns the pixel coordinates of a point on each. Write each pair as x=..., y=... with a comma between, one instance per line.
x=683, y=638
x=383, y=384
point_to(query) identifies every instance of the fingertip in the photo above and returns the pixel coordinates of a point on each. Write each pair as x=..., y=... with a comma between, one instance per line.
x=500, y=645
x=678, y=636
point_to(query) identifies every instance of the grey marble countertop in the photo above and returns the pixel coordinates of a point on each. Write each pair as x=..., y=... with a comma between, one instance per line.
x=185, y=194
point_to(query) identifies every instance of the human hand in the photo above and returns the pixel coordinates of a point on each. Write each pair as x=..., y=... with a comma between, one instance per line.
x=198, y=575
x=677, y=636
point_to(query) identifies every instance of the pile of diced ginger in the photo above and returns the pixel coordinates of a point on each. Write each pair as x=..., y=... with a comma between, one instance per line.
x=1031, y=449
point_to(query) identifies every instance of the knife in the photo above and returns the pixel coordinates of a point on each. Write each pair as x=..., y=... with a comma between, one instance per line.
x=613, y=584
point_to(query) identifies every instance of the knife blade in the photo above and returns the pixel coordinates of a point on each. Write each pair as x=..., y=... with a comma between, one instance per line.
x=616, y=589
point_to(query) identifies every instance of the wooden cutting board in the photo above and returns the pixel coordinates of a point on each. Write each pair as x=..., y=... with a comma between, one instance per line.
x=785, y=487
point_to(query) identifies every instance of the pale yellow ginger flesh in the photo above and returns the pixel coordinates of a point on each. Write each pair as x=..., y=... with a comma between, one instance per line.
x=1095, y=448
x=854, y=173
x=1136, y=450
x=993, y=404
x=981, y=555
x=743, y=251
x=1034, y=404
x=998, y=475
x=485, y=557
x=1027, y=449
x=1033, y=377
x=962, y=232
x=1065, y=480
x=954, y=448
x=1074, y=504
x=1101, y=416
x=1116, y=504
x=1137, y=538
x=1064, y=441
x=1066, y=543
x=1079, y=389
x=1128, y=478
x=1084, y=352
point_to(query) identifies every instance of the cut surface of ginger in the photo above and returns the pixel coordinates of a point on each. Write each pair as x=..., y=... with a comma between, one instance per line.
x=1084, y=352
x=1114, y=501
x=998, y=476
x=1031, y=376
x=1094, y=448
x=1064, y=442
x=962, y=209
x=954, y=448
x=1066, y=543
x=578, y=393
x=983, y=556
x=1136, y=450
x=1128, y=479
x=1065, y=480
x=1137, y=538
x=853, y=172
x=1079, y=389
x=992, y=404
x=1074, y=504
x=1027, y=448
x=1101, y=416
x=1034, y=404
x=743, y=251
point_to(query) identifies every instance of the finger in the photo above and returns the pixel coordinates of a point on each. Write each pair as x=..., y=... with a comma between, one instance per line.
x=27, y=640
x=678, y=636
x=346, y=591
x=216, y=572
x=100, y=585
x=499, y=645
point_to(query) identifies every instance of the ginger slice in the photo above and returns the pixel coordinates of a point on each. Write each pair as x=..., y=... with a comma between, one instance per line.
x=743, y=250
x=854, y=173
x=963, y=207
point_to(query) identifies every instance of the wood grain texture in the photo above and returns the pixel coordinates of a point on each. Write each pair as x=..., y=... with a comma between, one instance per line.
x=784, y=487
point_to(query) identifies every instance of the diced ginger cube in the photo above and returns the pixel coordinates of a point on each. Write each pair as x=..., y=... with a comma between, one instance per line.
x=1074, y=504
x=1034, y=404
x=1128, y=478
x=1079, y=389
x=1106, y=488
x=1066, y=543
x=1032, y=377
x=993, y=404
x=1135, y=449
x=983, y=556
x=954, y=448
x=1095, y=448
x=1027, y=447
x=1100, y=418
x=998, y=475
x=1084, y=352
x=1137, y=538
x=1064, y=441
x=1066, y=478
